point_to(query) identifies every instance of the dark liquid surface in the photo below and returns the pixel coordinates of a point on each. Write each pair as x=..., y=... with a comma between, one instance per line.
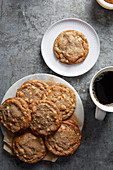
x=103, y=87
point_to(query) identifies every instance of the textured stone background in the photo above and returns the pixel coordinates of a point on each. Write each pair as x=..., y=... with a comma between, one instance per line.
x=22, y=26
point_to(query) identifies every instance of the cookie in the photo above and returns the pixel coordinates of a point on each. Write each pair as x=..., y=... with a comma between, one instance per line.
x=31, y=90
x=15, y=114
x=109, y=1
x=45, y=117
x=29, y=148
x=63, y=97
x=71, y=47
x=66, y=140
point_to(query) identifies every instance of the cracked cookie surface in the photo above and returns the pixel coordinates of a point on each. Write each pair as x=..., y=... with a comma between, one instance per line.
x=31, y=90
x=29, y=148
x=45, y=117
x=15, y=114
x=71, y=47
x=63, y=97
x=66, y=140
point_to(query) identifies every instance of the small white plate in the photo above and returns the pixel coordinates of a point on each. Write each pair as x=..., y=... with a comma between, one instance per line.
x=13, y=89
x=75, y=69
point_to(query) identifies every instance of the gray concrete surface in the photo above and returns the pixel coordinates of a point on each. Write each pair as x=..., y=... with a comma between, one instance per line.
x=22, y=26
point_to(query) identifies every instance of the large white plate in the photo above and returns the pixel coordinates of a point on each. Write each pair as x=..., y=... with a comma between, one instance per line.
x=48, y=41
x=13, y=89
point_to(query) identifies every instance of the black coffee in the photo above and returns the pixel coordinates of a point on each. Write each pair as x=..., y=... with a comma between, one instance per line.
x=103, y=87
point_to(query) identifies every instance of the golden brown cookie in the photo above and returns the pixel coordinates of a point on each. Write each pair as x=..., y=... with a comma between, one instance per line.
x=29, y=148
x=15, y=114
x=66, y=140
x=63, y=97
x=45, y=117
x=31, y=90
x=71, y=47
x=109, y=1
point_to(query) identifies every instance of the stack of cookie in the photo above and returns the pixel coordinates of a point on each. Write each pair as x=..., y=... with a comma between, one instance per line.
x=39, y=119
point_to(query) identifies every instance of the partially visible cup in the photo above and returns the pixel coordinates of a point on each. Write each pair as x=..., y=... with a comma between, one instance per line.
x=101, y=92
x=105, y=4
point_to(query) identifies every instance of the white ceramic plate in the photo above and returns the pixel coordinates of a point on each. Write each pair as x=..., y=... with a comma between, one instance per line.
x=13, y=89
x=48, y=41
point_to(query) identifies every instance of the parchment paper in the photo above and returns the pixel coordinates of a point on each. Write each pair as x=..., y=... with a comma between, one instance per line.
x=8, y=136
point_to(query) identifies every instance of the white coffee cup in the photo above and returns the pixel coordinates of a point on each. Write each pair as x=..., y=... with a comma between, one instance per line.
x=105, y=4
x=101, y=109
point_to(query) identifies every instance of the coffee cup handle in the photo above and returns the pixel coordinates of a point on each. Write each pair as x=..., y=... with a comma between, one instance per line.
x=99, y=114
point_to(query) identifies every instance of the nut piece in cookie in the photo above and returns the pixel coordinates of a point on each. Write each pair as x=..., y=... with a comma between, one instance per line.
x=71, y=47
x=66, y=140
x=31, y=90
x=64, y=98
x=29, y=148
x=15, y=114
x=45, y=117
